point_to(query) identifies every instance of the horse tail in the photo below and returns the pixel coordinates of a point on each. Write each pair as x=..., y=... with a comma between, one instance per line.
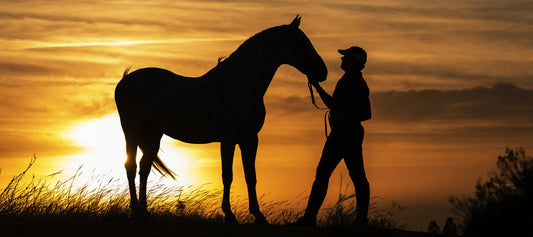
x=162, y=168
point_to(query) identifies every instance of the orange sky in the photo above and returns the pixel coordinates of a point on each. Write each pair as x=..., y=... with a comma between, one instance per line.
x=450, y=88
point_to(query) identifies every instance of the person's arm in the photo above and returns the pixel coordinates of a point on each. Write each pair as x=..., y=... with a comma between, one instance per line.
x=326, y=98
x=361, y=111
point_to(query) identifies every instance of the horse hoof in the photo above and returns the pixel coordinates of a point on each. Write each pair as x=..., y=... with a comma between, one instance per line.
x=140, y=213
x=230, y=219
x=260, y=221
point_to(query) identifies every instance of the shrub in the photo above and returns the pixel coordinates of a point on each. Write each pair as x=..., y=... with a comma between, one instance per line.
x=502, y=205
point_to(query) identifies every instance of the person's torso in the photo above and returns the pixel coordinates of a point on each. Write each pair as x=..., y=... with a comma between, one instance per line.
x=351, y=93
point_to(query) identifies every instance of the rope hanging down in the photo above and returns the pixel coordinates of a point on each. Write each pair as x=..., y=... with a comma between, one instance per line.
x=320, y=108
x=313, y=97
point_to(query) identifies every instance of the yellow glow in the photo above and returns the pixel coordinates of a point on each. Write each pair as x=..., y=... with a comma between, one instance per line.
x=97, y=43
x=29, y=44
x=104, y=151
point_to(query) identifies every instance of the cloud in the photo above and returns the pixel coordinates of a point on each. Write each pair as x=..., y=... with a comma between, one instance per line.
x=155, y=20
x=10, y=68
x=63, y=103
x=22, y=144
x=446, y=70
x=502, y=103
x=492, y=10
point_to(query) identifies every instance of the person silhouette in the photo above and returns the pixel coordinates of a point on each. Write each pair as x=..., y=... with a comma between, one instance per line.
x=349, y=106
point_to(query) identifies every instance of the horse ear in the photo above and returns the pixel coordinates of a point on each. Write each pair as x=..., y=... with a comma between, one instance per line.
x=296, y=22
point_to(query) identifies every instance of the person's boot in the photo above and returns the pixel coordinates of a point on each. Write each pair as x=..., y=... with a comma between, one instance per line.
x=362, y=217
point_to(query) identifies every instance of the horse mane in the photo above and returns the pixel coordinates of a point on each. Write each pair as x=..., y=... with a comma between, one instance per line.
x=251, y=46
x=127, y=71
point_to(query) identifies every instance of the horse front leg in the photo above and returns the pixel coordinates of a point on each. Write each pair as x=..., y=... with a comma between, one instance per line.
x=248, y=152
x=227, y=151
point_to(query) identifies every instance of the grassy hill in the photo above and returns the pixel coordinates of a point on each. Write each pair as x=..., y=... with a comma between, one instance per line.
x=70, y=208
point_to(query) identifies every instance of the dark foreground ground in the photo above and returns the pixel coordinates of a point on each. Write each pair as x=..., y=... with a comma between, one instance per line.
x=41, y=228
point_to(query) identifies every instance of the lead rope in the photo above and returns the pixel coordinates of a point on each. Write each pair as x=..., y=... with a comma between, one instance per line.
x=320, y=108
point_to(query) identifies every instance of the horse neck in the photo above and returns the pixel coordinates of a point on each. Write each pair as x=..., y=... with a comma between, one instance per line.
x=245, y=74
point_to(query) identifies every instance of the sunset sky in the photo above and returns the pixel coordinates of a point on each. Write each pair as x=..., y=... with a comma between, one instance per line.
x=451, y=87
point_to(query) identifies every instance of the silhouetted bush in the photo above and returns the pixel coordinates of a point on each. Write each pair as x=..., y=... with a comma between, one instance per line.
x=433, y=228
x=450, y=228
x=503, y=205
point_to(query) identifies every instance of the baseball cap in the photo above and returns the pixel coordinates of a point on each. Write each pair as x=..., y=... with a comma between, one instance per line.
x=355, y=52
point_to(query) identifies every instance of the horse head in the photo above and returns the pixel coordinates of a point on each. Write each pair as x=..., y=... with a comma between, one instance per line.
x=298, y=51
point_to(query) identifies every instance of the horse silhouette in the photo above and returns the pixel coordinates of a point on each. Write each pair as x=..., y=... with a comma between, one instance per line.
x=224, y=105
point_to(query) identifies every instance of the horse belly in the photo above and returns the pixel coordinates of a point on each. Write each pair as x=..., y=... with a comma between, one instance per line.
x=193, y=135
x=190, y=129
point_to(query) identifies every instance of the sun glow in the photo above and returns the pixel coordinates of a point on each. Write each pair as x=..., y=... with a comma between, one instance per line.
x=104, y=151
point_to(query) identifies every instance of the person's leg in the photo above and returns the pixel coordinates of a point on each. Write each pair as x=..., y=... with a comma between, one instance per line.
x=328, y=161
x=354, y=162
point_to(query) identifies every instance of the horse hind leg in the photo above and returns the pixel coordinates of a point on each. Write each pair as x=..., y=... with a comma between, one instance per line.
x=131, y=169
x=149, y=146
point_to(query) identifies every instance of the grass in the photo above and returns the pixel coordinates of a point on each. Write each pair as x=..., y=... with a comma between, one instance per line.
x=41, y=205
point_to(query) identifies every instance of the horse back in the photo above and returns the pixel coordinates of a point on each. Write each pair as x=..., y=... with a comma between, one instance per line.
x=168, y=102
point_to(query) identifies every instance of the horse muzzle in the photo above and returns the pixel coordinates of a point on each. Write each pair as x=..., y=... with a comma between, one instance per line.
x=318, y=76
